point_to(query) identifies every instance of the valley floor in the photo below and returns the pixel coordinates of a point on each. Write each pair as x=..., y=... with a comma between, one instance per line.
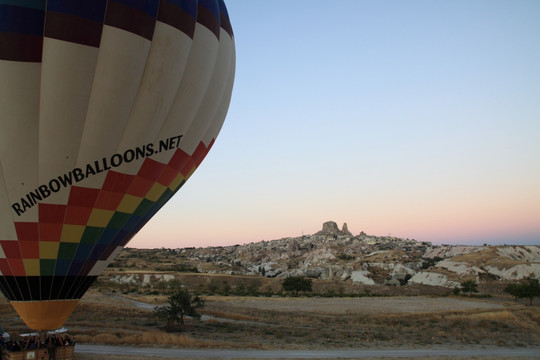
x=306, y=324
x=320, y=323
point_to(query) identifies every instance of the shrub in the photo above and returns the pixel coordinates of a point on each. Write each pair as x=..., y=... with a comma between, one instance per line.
x=297, y=283
x=529, y=289
x=180, y=304
x=469, y=286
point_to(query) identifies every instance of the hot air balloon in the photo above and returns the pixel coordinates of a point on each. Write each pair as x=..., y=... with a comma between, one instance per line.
x=106, y=108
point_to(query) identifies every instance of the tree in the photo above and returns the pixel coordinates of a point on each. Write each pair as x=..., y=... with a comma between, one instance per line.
x=469, y=286
x=514, y=289
x=529, y=289
x=180, y=304
x=296, y=284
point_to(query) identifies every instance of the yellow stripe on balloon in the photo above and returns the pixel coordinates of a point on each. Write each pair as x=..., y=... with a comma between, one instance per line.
x=44, y=315
x=31, y=267
x=129, y=204
x=72, y=233
x=48, y=249
x=177, y=181
x=100, y=217
x=155, y=192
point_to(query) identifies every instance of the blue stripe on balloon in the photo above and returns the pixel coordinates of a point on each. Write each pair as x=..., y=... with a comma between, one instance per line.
x=107, y=236
x=212, y=6
x=98, y=250
x=62, y=267
x=189, y=6
x=33, y=4
x=148, y=6
x=140, y=225
x=224, y=20
x=222, y=7
x=132, y=222
x=76, y=267
x=88, y=9
x=121, y=237
x=21, y=20
x=83, y=250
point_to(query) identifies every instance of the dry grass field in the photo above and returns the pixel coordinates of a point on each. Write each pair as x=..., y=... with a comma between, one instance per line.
x=376, y=317
x=376, y=322
x=306, y=323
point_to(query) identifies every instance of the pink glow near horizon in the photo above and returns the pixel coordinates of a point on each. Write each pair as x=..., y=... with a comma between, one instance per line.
x=463, y=231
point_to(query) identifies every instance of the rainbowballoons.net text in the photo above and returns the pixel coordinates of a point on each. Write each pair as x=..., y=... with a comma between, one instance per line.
x=78, y=174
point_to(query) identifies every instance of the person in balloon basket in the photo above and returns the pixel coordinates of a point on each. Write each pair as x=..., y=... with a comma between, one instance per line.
x=30, y=343
x=51, y=349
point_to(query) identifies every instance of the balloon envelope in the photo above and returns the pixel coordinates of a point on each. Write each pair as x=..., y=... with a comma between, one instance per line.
x=106, y=109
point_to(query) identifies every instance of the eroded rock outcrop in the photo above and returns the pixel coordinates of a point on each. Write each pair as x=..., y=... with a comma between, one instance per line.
x=330, y=228
x=338, y=255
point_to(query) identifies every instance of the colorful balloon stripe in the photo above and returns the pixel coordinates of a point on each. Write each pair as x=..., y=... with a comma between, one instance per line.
x=132, y=19
x=22, y=23
x=148, y=6
x=55, y=249
x=182, y=14
x=21, y=19
x=88, y=9
x=224, y=18
x=74, y=29
x=21, y=29
x=208, y=15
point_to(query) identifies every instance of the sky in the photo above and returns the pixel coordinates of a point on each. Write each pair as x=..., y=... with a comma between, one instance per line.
x=414, y=119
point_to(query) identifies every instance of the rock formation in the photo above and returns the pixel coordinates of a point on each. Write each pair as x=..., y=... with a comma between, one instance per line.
x=330, y=228
x=345, y=230
x=334, y=254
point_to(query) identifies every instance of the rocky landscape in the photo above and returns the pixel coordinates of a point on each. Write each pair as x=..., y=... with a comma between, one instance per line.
x=369, y=292
x=338, y=255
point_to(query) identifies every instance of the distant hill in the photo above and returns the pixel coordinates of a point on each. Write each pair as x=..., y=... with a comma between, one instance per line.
x=334, y=254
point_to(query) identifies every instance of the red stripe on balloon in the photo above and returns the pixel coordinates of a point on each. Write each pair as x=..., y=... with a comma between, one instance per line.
x=130, y=19
x=20, y=47
x=50, y=232
x=27, y=231
x=52, y=213
x=140, y=187
x=17, y=267
x=29, y=249
x=83, y=196
x=176, y=17
x=77, y=215
x=72, y=28
x=108, y=200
